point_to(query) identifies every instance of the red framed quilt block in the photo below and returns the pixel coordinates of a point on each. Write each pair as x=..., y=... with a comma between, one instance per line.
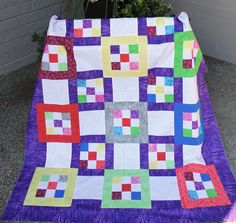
x=58, y=123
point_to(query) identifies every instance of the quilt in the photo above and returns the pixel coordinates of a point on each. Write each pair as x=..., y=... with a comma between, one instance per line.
x=121, y=128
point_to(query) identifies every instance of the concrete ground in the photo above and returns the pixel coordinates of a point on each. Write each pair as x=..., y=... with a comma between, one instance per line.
x=16, y=90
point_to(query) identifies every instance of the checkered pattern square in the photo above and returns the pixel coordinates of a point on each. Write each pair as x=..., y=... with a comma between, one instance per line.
x=52, y=186
x=126, y=122
x=90, y=90
x=190, y=51
x=192, y=124
x=92, y=156
x=199, y=185
x=161, y=156
x=54, y=58
x=124, y=57
x=87, y=28
x=159, y=26
x=58, y=123
x=126, y=188
x=160, y=89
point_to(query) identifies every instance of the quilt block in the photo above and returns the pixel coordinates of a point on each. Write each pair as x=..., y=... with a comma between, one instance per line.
x=121, y=128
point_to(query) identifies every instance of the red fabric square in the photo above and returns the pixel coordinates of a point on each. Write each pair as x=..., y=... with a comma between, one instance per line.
x=52, y=185
x=126, y=187
x=78, y=33
x=126, y=122
x=161, y=156
x=100, y=164
x=152, y=80
x=124, y=58
x=74, y=116
x=115, y=65
x=92, y=155
x=151, y=30
x=83, y=164
x=53, y=58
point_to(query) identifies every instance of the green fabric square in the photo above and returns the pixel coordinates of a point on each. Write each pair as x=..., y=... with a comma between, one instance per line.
x=187, y=132
x=170, y=164
x=133, y=49
x=169, y=98
x=45, y=177
x=135, y=131
x=49, y=115
x=63, y=66
x=211, y=193
x=82, y=99
x=145, y=201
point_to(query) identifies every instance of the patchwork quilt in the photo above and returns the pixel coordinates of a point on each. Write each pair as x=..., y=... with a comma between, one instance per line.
x=121, y=128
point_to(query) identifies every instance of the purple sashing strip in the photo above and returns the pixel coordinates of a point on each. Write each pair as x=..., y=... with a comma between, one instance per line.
x=167, y=205
x=161, y=139
x=178, y=155
x=75, y=155
x=178, y=25
x=142, y=26
x=69, y=27
x=87, y=41
x=144, y=156
x=73, y=91
x=85, y=203
x=39, y=92
x=93, y=138
x=90, y=172
x=90, y=74
x=91, y=106
x=143, y=82
x=160, y=39
x=178, y=90
x=162, y=172
x=109, y=156
x=108, y=95
x=160, y=106
x=167, y=72
x=105, y=26
x=42, y=153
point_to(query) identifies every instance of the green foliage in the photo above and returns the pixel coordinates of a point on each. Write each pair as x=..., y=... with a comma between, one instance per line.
x=39, y=38
x=73, y=9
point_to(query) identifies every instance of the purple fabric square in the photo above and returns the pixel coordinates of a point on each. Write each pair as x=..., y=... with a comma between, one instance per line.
x=195, y=124
x=188, y=176
x=199, y=186
x=115, y=49
x=58, y=123
x=90, y=90
x=87, y=23
x=134, y=114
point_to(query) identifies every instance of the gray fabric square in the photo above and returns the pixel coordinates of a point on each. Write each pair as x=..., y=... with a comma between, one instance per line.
x=66, y=115
x=141, y=107
x=45, y=66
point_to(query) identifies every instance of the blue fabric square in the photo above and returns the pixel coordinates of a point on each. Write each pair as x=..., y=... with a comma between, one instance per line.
x=81, y=83
x=59, y=193
x=169, y=30
x=135, y=195
x=84, y=147
x=151, y=98
x=169, y=81
x=117, y=131
x=205, y=177
x=192, y=194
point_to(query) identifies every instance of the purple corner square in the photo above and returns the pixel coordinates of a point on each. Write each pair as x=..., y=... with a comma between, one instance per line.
x=188, y=176
x=115, y=49
x=195, y=124
x=90, y=90
x=57, y=123
x=134, y=114
x=199, y=186
x=87, y=23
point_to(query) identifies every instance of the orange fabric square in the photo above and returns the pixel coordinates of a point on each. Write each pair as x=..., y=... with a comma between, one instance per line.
x=78, y=32
x=52, y=185
x=100, y=164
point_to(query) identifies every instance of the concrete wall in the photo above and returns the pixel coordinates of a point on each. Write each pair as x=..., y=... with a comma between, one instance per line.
x=18, y=20
x=214, y=23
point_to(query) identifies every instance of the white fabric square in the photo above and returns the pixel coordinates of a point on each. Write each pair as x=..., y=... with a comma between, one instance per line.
x=161, y=55
x=88, y=58
x=164, y=188
x=58, y=155
x=190, y=90
x=128, y=27
x=55, y=91
x=192, y=154
x=88, y=187
x=126, y=156
x=161, y=123
x=125, y=89
x=57, y=27
x=92, y=122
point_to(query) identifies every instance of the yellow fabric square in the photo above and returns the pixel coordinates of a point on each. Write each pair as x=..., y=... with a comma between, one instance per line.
x=141, y=41
x=98, y=82
x=50, y=131
x=188, y=45
x=153, y=164
x=101, y=148
x=96, y=32
x=116, y=180
x=160, y=21
x=61, y=49
x=160, y=90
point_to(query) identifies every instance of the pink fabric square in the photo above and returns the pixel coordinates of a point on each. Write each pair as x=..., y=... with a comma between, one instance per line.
x=187, y=116
x=66, y=131
x=46, y=48
x=135, y=180
x=152, y=147
x=195, y=45
x=99, y=98
x=117, y=113
x=134, y=65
